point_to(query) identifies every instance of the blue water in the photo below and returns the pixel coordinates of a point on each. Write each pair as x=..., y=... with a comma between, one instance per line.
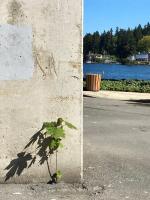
x=118, y=72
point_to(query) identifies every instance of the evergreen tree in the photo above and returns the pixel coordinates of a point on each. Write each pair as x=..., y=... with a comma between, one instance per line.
x=125, y=44
x=138, y=34
x=144, y=44
x=96, y=42
x=87, y=45
x=122, y=43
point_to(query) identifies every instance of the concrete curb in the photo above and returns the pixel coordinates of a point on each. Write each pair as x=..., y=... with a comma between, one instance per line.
x=118, y=95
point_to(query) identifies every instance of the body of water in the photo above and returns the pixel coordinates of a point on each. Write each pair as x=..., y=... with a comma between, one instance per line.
x=118, y=72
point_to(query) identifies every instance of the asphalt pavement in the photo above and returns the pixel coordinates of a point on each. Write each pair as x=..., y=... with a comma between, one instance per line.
x=117, y=147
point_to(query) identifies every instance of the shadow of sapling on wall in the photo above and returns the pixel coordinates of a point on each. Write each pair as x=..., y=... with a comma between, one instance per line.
x=47, y=141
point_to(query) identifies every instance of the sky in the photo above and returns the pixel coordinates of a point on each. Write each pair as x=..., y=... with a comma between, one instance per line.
x=100, y=15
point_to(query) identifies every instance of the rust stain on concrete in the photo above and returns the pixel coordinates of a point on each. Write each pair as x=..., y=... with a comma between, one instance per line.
x=46, y=62
x=52, y=65
x=63, y=98
x=75, y=65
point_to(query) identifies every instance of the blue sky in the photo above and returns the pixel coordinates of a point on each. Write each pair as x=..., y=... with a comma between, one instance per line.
x=103, y=14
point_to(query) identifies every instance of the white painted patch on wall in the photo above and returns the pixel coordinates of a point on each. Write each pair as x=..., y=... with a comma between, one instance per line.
x=16, y=57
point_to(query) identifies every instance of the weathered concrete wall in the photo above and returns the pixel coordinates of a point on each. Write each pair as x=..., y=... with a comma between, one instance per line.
x=40, y=79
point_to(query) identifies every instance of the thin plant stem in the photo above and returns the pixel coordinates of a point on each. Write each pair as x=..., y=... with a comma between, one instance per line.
x=48, y=167
x=56, y=165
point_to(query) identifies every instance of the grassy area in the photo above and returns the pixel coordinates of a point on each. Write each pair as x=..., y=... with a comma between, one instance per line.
x=125, y=85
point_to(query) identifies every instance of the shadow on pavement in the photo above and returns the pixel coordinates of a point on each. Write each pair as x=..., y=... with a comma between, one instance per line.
x=140, y=102
x=88, y=96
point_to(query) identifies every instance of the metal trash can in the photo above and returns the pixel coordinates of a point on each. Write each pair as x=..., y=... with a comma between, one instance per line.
x=93, y=82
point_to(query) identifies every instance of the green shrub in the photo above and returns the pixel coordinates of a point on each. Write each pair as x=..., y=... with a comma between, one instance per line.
x=126, y=85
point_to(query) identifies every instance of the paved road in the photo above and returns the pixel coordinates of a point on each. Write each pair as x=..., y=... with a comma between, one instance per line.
x=117, y=147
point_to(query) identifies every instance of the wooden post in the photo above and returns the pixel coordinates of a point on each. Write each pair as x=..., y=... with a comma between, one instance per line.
x=93, y=82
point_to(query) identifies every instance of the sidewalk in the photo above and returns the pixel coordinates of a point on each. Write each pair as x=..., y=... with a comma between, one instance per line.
x=118, y=95
x=61, y=191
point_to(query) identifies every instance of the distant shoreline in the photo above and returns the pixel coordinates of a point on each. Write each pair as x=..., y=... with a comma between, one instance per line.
x=129, y=64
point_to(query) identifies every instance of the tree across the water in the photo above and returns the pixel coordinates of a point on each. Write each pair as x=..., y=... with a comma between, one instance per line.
x=122, y=43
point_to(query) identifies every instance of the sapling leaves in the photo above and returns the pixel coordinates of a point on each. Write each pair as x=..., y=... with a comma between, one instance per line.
x=60, y=122
x=54, y=144
x=56, y=176
x=59, y=174
x=61, y=145
x=48, y=124
x=69, y=125
x=45, y=142
x=56, y=132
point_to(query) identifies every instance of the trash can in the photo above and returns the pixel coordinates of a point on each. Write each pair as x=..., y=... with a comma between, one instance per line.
x=93, y=82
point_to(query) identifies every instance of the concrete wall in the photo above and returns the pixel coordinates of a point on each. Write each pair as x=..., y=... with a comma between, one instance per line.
x=40, y=80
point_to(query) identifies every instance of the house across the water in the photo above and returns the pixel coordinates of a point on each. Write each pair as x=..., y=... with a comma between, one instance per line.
x=145, y=57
